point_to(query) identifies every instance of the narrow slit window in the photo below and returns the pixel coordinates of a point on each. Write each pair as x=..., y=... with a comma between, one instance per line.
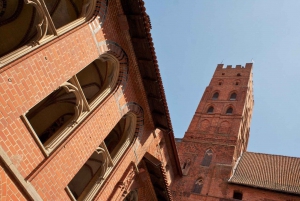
x=207, y=158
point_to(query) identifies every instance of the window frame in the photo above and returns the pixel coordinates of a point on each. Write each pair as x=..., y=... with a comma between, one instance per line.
x=47, y=25
x=63, y=132
x=90, y=191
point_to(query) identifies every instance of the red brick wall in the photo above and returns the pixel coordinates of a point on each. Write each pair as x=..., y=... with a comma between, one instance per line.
x=31, y=78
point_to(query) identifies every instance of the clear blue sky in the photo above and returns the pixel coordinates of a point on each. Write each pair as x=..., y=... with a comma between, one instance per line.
x=192, y=36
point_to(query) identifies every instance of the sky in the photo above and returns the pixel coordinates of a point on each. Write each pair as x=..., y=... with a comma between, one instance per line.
x=192, y=36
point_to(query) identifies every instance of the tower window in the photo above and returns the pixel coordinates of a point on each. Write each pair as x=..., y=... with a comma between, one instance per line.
x=229, y=110
x=207, y=158
x=215, y=96
x=198, y=186
x=237, y=195
x=239, y=74
x=233, y=96
x=210, y=110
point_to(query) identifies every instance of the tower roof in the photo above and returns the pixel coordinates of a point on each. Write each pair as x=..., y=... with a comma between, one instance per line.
x=273, y=172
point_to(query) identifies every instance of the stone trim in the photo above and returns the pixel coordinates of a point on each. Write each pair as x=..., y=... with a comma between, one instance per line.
x=26, y=186
x=93, y=8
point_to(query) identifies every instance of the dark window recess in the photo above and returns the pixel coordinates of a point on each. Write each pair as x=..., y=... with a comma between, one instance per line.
x=210, y=110
x=207, y=158
x=233, y=96
x=198, y=186
x=237, y=195
x=215, y=96
x=229, y=110
x=239, y=74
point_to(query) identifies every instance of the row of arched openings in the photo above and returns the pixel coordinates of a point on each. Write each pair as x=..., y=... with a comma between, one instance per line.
x=232, y=96
x=27, y=22
x=229, y=110
x=101, y=162
x=57, y=114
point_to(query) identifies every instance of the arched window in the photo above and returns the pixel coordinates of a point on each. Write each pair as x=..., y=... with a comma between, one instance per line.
x=207, y=158
x=101, y=162
x=58, y=114
x=98, y=79
x=198, y=186
x=55, y=113
x=186, y=166
x=26, y=23
x=210, y=110
x=215, y=96
x=18, y=22
x=229, y=110
x=233, y=96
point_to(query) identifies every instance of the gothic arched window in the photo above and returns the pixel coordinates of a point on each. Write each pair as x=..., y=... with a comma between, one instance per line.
x=233, y=96
x=229, y=110
x=198, y=186
x=207, y=158
x=210, y=110
x=101, y=162
x=215, y=96
x=52, y=119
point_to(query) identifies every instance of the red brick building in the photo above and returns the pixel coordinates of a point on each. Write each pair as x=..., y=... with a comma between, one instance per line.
x=214, y=160
x=83, y=114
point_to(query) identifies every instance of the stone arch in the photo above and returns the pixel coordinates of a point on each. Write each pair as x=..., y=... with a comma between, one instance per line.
x=207, y=158
x=21, y=22
x=24, y=24
x=56, y=113
x=110, y=152
x=112, y=48
x=224, y=127
x=136, y=109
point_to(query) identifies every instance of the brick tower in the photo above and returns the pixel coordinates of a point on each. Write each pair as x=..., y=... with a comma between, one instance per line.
x=217, y=135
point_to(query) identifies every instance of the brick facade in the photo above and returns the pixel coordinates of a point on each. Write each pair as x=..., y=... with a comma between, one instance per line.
x=143, y=165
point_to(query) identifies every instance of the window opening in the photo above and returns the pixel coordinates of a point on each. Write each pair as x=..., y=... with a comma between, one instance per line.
x=229, y=110
x=233, y=96
x=210, y=110
x=239, y=74
x=237, y=195
x=207, y=158
x=215, y=96
x=198, y=186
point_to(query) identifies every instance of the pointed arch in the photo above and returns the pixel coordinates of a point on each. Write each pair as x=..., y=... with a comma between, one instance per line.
x=215, y=95
x=198, y=186
x=207, y=158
